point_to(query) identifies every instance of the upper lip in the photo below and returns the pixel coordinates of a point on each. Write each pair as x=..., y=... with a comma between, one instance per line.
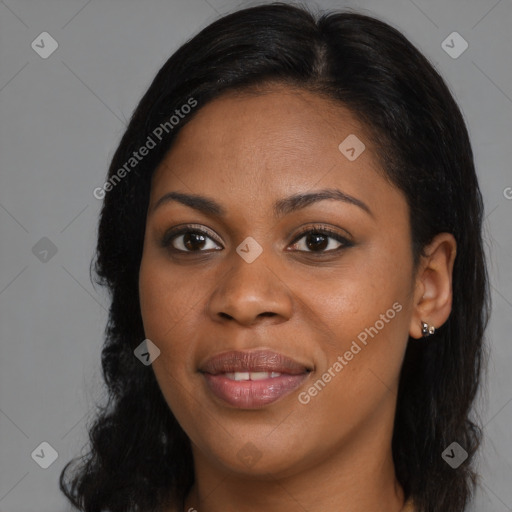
x=252, y=361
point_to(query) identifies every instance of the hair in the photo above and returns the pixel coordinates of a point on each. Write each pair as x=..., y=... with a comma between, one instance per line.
x=139, y=457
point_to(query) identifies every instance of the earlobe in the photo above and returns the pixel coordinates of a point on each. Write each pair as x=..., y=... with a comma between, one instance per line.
x=433, y=295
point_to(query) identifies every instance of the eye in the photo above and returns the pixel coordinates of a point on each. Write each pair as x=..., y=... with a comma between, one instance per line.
x=320, y=239
x=188, y=239
x=317, y=239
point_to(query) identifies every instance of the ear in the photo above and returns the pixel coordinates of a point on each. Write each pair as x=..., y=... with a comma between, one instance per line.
x=433, y=288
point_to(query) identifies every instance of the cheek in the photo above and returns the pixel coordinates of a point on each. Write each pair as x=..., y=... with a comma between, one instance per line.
x=164, y=314
x=366, y=308
x=356, y=296
x=360, y=369
x=165, y=297
x=164, y=304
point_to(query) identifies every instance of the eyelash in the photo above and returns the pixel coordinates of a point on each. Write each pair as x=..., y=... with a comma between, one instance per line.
x=170, y=235
x=322, y=230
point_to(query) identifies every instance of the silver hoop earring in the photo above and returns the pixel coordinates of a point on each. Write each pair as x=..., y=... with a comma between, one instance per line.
x=427, y=330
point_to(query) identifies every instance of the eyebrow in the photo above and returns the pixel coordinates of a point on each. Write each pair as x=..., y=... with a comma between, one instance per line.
x=281, y=207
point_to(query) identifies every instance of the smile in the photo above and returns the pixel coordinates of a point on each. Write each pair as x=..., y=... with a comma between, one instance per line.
x=251, y=375
x=251, y=380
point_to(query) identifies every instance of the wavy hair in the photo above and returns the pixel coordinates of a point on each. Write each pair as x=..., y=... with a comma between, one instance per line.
x=138, y=456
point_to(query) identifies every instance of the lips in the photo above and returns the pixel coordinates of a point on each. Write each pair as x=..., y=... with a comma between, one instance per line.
x=255, y=361
x=252, y=379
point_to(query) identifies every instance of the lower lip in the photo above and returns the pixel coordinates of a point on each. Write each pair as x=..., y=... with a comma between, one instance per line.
x=253, y=394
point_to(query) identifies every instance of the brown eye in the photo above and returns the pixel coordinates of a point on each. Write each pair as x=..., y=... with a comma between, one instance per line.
x=193, y=241
x=317, y=241
x=321, y=240
x=188, y=240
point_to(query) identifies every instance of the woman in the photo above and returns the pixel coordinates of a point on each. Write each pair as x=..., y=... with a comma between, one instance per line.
x=291, y=234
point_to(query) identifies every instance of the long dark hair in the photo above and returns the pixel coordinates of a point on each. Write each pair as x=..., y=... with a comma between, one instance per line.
x=139, y=457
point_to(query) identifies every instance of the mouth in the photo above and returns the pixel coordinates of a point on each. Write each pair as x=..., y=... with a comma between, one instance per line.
x=252, y=379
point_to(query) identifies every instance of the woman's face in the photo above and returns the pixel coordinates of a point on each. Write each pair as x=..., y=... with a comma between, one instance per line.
x=244, y=281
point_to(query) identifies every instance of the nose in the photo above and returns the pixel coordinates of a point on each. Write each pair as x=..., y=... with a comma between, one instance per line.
x=247, y=293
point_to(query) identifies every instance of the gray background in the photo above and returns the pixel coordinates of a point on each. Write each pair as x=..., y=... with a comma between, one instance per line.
x=61, y=119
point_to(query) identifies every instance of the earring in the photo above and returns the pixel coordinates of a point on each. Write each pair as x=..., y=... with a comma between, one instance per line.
x=427, y=330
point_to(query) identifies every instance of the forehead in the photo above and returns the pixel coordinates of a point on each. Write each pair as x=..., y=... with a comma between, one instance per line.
x=278, y=117
x=249, y=149
x=274, y=130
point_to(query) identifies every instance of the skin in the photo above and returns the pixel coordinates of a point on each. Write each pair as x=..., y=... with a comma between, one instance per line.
x=246, y=151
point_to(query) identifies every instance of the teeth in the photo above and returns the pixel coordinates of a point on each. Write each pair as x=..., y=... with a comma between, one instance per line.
x=259, y=375
x=251, y=375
